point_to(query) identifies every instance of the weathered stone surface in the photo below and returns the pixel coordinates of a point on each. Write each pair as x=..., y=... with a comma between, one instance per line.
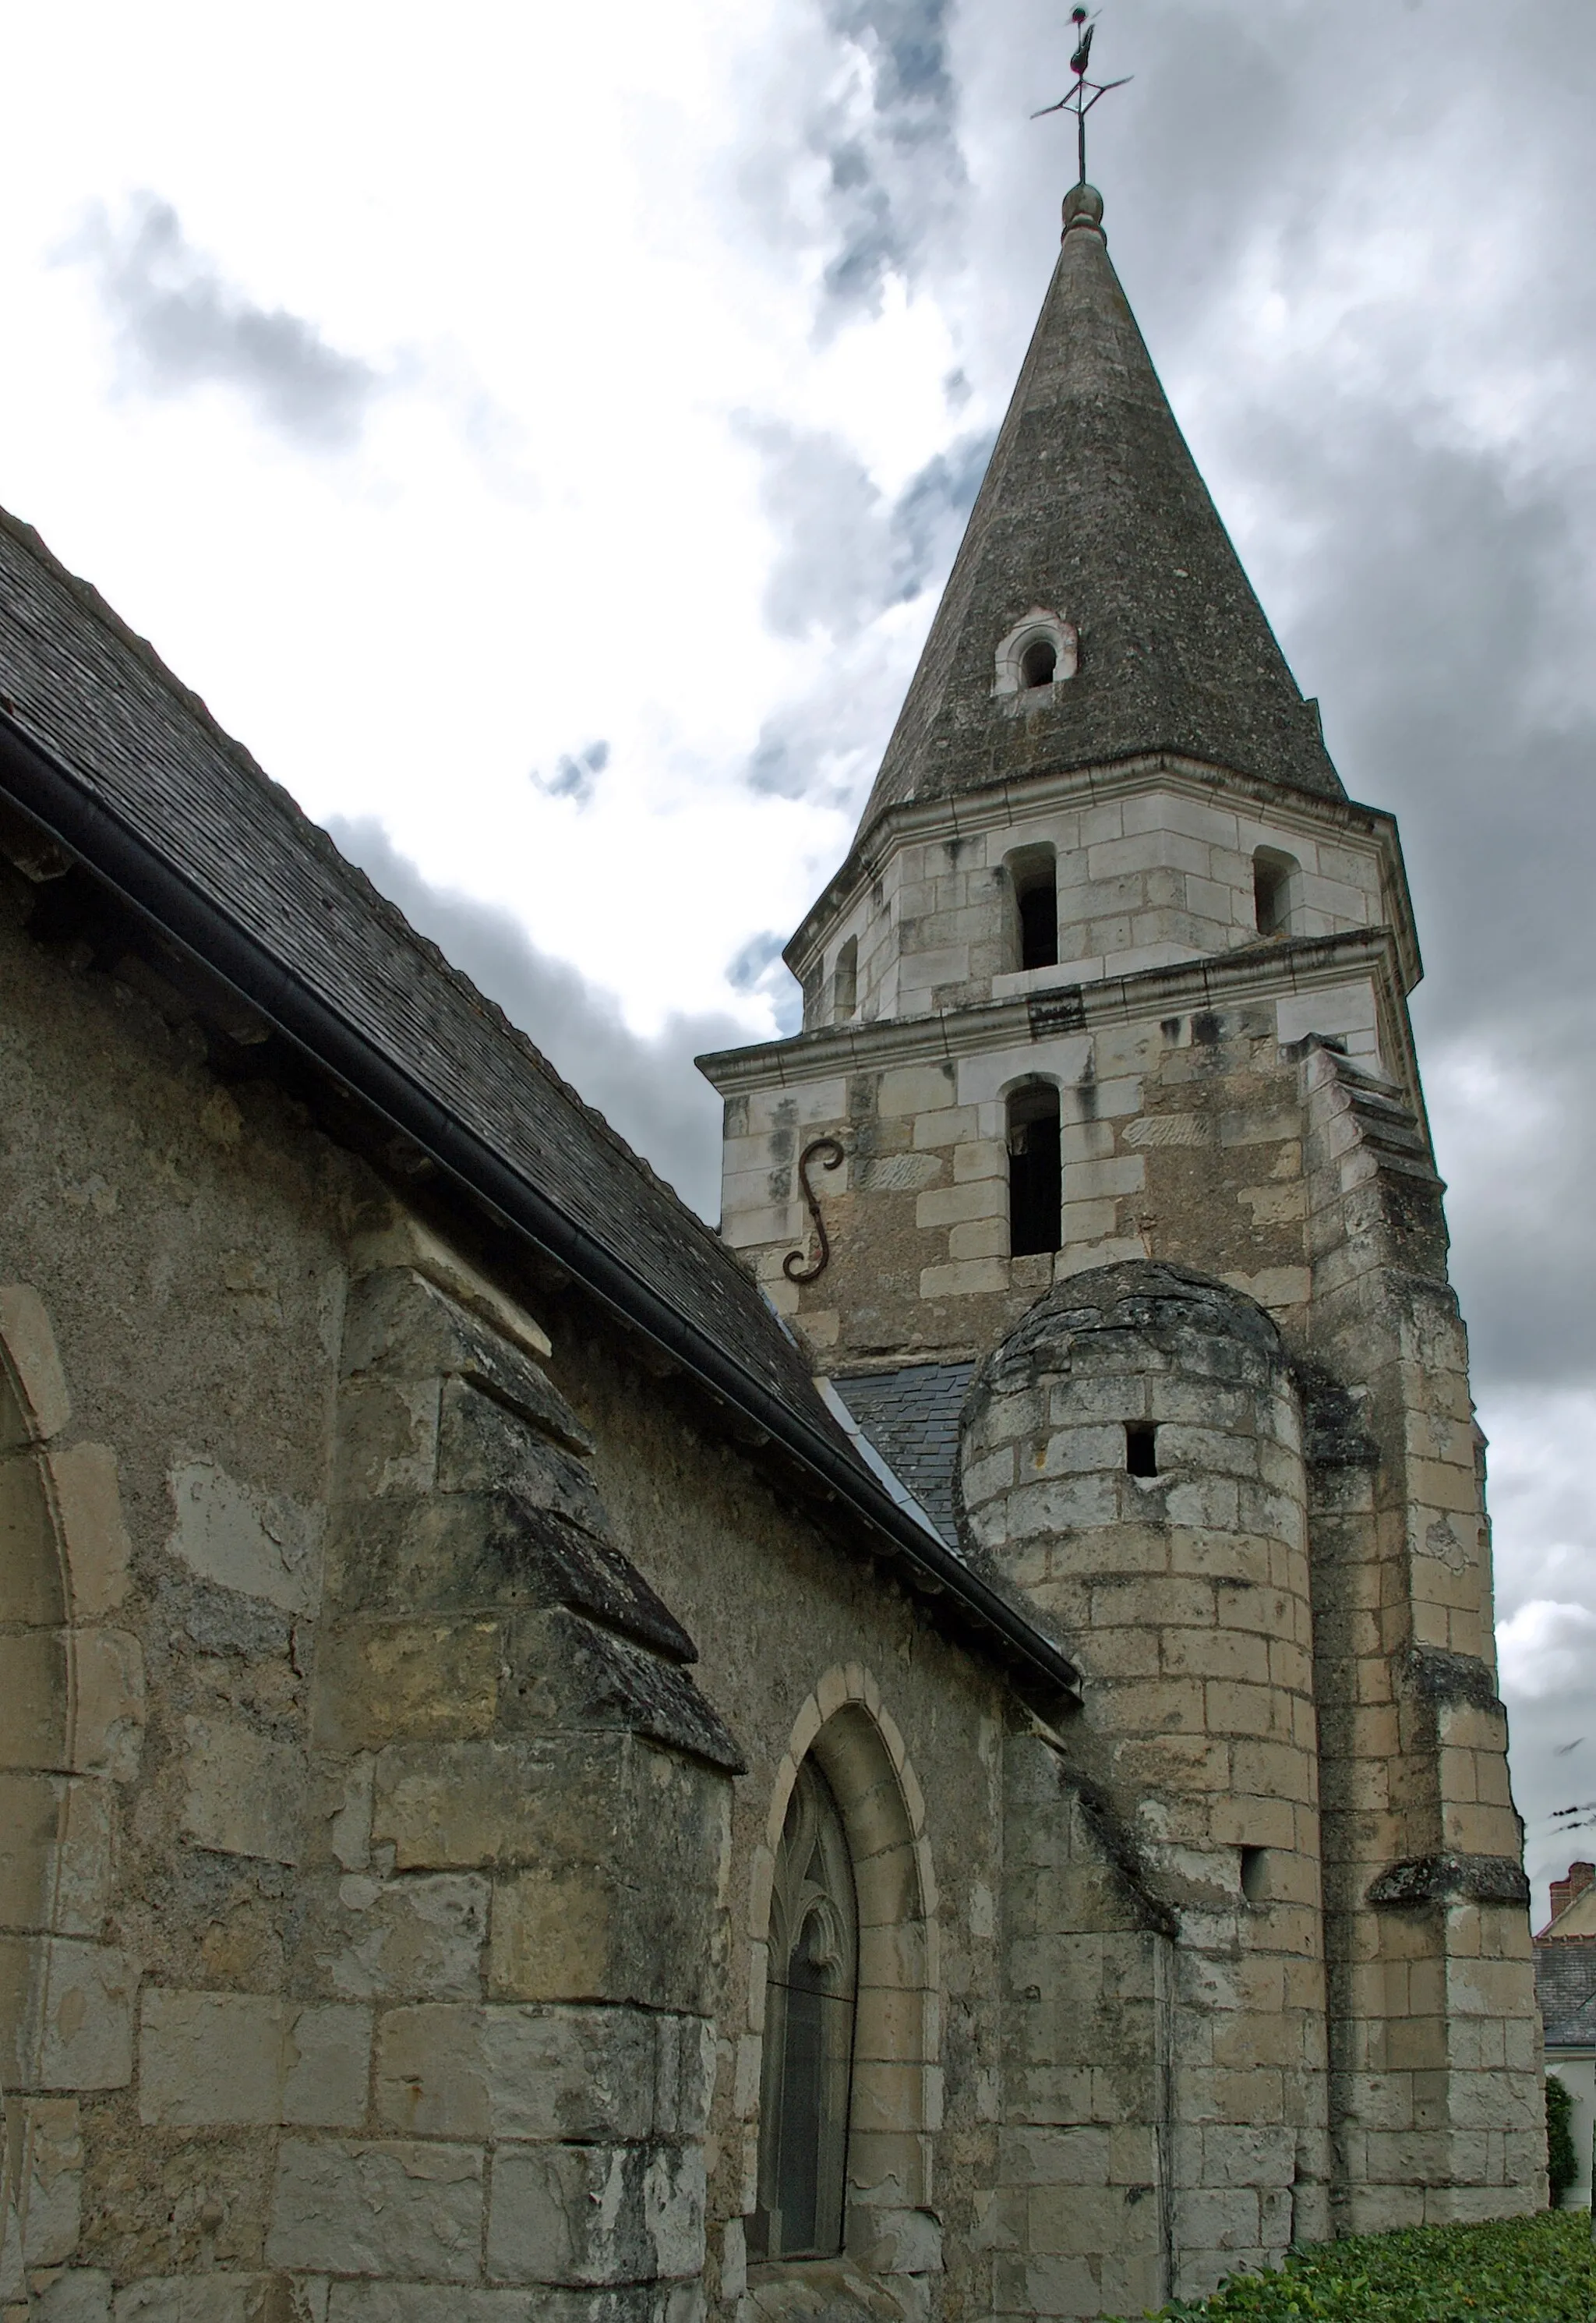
x=211, y=2298
x=595, y=2214
x=43, y=1406
x=246, y=1790
x=261, y=1544
x=427, y=2302
x=89, y=1502
x=219, y=2060
x=80, y=2295
x=55, y=1853
x=69, y=2008
x=209, y=2057
x=567, y=1671
x=398, y=1324
x=377, y=2208
x=412, y=1938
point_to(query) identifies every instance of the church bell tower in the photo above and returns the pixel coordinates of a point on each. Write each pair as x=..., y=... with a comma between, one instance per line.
x=1106, y=887
x=1098, y=1186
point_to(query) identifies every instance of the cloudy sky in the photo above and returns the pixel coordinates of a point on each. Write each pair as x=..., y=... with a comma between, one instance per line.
x=541, y=436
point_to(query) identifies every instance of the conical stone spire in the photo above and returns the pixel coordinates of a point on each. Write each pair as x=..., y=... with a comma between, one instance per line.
x=1093, y=507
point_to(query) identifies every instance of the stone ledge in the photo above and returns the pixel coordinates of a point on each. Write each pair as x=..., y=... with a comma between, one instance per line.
x=1450, y=1879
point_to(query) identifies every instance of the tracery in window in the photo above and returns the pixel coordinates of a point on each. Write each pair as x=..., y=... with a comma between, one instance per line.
x=809, y=2030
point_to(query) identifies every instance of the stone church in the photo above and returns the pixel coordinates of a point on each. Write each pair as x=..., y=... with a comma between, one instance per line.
x=932, y=1755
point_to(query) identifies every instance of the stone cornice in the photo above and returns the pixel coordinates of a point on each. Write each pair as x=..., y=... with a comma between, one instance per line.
x=1260, y=971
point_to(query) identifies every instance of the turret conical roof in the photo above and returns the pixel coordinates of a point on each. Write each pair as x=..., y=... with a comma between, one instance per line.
x=1093, y=509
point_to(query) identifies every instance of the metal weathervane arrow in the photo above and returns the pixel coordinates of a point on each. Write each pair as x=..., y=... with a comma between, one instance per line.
x=1085, y=91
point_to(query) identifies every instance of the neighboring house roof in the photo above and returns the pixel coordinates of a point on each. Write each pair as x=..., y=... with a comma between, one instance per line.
x=128, y=770
x=1565, y=1987
x=1093, y=509
x=1579, y=1919
x=911, y=1418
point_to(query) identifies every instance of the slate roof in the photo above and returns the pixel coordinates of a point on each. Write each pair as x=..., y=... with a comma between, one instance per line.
x=157, y=792
x=1565, y=1987
x=1093, y=507
x=911, y=1418
x=101, y=700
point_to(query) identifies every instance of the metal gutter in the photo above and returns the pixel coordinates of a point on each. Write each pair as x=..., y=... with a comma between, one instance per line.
x=91, y=829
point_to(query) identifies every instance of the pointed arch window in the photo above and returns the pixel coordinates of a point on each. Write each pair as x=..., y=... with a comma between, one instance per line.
x=810, y=1999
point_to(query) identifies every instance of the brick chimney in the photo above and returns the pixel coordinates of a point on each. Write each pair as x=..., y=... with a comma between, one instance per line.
x=1580, y=1875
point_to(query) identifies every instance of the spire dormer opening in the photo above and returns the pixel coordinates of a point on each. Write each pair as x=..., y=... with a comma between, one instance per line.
x=1036, y=1173
x=1039, y=662
x=1038, y=654
x=1033, y=875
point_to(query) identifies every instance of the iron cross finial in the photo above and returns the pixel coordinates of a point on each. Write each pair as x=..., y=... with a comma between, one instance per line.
x=1085, y=92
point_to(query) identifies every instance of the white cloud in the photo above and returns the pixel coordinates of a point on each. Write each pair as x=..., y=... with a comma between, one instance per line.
x=1546, y=1648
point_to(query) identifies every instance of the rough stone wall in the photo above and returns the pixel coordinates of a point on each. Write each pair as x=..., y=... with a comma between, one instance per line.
x=796, y=1642
x=1185, y=1594
x=424, y=1974
x=1181, y=1137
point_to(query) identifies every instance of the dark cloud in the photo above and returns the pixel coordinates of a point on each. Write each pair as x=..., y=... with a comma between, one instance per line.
x=758, y=966
x=646, y=1089
x=845, y=553
x=744, y=970
x=866, y=88
x=179, y=325
x=895, y=169
x=575, y=774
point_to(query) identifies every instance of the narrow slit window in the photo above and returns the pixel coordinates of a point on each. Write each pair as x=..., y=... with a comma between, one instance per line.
x=1140, y=1448
x=1039, y=662
x=1273, y=874
x=1036, y=1175
x=845, y=980
x=811, y=1996
x=1255, y=1874
x=1034, y=872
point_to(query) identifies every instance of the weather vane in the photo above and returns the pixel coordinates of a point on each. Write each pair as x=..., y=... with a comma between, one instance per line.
x=1086, y=92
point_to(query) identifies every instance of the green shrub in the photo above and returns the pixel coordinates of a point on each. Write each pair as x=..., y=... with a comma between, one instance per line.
x=1539, y=2269
x=1562, y=2163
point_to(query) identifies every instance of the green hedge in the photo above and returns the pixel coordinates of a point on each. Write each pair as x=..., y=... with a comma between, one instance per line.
x=1562, y=2163
x=1539, y=2269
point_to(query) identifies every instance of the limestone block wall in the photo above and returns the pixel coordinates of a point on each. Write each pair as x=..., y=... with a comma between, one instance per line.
x=423, y=1890
x=515, y=1897
x=1149, y=872
x=1434, y=2081
x=1131, y=1455
x=1082, y=2218
x=71, y=1738
x=809, y=1649
x=1182, y=1138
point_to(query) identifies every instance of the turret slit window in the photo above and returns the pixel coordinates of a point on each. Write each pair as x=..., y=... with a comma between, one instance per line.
x=845, y=980
x=1036, y=1175
x=808, y=2029
x=1273, y=878
x=1034, y=872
